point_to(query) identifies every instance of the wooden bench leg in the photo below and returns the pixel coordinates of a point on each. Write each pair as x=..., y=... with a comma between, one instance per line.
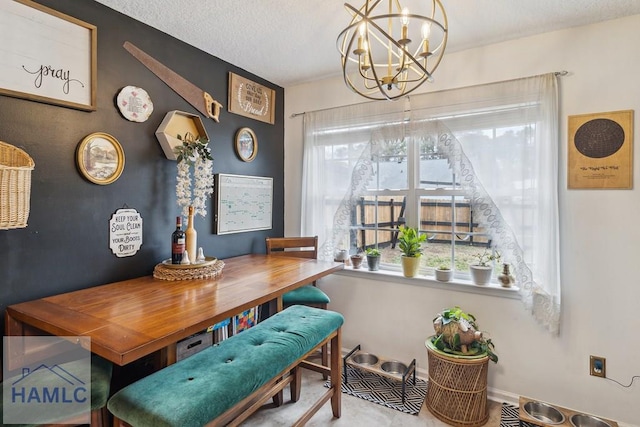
x=296, y=384
x=336, y=374
x=325, y=358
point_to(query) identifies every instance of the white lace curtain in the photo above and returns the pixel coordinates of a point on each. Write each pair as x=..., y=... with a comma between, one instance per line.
x=512, y=184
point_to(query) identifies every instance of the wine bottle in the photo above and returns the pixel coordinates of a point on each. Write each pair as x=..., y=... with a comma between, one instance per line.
x=177, y=242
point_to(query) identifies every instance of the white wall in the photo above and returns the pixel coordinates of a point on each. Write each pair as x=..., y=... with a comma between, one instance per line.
x=600, y=236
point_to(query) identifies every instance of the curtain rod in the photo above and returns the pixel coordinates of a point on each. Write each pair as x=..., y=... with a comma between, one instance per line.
x=294, y=115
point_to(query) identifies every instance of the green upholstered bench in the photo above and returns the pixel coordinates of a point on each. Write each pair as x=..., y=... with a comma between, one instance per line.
x=101, y=371
x=224, y=384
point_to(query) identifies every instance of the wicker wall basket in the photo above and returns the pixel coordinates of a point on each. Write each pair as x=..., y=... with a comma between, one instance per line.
x=15, y=186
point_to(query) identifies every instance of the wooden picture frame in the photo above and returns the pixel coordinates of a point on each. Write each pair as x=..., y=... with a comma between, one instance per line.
x=243, y=203
x=250, y=99
x=246, y=144
x=100, y=158
x=600, y=150
x=47, y=56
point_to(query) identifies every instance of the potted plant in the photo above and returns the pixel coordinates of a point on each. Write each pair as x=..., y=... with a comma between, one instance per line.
x=373, y=259
x=457, y=333
x=444, y=273
x=410, y=243
x=481, y=271
x=356, y=260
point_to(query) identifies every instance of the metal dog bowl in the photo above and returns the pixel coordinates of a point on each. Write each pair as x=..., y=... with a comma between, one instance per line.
x=543, y=412
x=393, y=367
x=584, y=420
x=365, y=359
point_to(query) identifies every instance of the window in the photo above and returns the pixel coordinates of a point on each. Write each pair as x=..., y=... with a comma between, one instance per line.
x=412, y=184
x=472, y=167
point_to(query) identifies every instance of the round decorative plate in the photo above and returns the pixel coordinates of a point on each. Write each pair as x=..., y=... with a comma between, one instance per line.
x=207, y=261
x=134, y=103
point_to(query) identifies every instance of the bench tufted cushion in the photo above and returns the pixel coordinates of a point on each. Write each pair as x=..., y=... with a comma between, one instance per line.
x=200, y=388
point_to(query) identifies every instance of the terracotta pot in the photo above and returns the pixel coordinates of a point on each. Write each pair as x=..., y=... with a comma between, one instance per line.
x=410, y=266
x=356, y=261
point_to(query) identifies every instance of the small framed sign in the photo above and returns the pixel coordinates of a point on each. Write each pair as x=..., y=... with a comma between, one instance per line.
x=125, y=232
x=47, y=56
x=251, y=99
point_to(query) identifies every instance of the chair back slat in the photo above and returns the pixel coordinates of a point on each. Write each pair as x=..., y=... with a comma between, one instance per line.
x=300, y=247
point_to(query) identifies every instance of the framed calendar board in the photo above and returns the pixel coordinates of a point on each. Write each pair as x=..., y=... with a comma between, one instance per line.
x=243, y=203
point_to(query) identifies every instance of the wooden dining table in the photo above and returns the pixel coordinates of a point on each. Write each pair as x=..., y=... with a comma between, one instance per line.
x=128, y=320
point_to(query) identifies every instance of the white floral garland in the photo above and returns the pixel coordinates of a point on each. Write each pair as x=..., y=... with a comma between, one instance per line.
x=194, y=195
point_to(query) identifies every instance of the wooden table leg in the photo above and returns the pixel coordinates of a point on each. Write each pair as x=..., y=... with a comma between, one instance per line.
x=15, y=347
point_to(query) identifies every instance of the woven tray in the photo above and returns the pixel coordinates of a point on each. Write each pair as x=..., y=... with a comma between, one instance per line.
x=209, y=271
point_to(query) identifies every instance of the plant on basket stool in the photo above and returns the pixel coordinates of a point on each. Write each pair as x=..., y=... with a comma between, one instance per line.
x=457, y=333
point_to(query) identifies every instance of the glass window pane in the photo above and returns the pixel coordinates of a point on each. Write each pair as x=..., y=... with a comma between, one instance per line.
x=434, y=170
x=391, y=167
x=436, y=219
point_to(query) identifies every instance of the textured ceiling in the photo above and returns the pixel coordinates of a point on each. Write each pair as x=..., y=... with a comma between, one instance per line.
x=294, y=41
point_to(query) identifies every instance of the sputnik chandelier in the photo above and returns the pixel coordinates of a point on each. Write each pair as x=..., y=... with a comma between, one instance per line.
x=388, y=52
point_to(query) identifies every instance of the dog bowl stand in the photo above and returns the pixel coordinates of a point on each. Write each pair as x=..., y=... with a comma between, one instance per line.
x=568, y=413
x=376, y=367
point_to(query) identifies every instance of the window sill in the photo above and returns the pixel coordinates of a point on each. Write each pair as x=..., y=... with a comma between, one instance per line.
x=458, y=285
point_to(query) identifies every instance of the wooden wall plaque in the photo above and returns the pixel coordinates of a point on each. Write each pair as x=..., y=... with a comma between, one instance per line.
x=251, y=99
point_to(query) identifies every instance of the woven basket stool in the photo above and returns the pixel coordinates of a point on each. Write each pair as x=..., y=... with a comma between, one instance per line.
x=457, y=391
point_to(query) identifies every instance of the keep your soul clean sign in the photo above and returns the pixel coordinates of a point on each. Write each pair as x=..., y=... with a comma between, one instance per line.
x=125, y=232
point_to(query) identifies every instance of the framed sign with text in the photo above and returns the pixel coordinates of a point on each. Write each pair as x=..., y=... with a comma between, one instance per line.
x=47, y=56
x=251, y=99
x=600, y=150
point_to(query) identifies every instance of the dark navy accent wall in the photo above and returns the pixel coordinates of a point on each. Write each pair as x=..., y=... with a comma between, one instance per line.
x=65, y=246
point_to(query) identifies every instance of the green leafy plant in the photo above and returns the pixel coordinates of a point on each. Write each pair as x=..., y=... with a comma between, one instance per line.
x=192, y=148
x=373, y=252
x=410, y=241
x=457, y=333
x=444, y=267
x=485, y=257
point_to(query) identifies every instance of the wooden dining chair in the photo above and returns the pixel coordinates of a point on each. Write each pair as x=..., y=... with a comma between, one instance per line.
x=309, y=295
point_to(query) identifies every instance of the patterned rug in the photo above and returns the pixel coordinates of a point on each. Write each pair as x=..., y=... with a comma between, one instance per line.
x=385, y=391
x=509, y=417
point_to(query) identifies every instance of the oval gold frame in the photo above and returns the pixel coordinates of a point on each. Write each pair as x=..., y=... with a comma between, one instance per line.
x=104, y=147
x=243, y=135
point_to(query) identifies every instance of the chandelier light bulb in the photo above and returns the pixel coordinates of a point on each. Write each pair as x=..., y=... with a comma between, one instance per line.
x=426, y=30
x=405, y=17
